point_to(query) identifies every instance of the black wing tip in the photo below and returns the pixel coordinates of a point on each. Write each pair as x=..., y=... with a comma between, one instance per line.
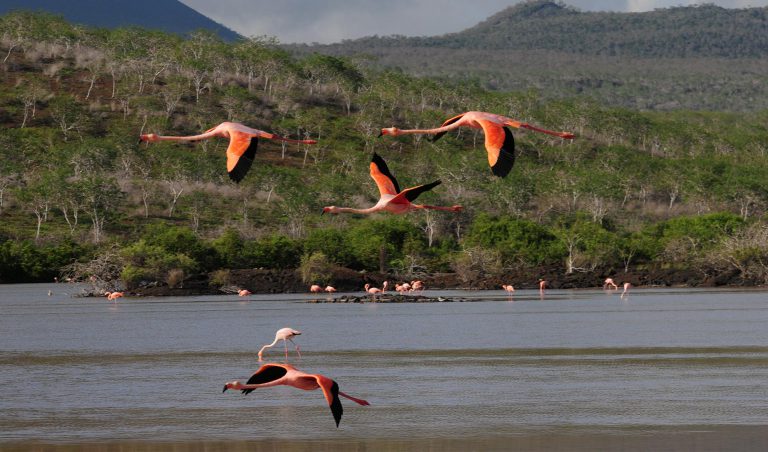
x=241, y=169
x=506, y=159
x=336, y=409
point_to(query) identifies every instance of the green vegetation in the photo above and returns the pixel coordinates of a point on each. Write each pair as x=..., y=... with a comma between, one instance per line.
x=635, y=190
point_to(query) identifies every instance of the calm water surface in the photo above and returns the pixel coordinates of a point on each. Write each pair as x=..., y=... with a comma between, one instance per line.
x=576, y=370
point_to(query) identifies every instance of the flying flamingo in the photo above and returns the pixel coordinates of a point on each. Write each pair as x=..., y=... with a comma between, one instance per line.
x=243, y=292
x=284, y=334
x=283, y=374
x=330, y=289
x=243, y=142
x=499, y=141
x=314, y=288
x=508, y=288
x=392, y=198
x=610, y=283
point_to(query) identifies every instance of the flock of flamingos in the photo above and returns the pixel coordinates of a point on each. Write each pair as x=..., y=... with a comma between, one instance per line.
x=243, y=142
x=241, y=152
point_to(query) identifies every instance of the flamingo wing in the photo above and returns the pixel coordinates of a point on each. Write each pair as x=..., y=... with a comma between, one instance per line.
x=500, y=145
x=331, y=392
x=240, y=154
x=447, y=122
x=384, y=179
x=410, y=194
x=266, y=374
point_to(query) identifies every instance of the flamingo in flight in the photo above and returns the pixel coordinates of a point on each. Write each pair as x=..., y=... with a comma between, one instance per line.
x=243, y=142
x=283, y=334
x=272, y=374
x=392, y=199
x=499, y=141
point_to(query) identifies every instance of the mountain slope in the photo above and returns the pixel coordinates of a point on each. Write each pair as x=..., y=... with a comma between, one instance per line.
x=168, y=15
x=699, y=57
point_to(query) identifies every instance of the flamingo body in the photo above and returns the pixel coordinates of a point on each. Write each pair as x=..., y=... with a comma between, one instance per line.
x=508, y=288
x=283, y=334
x=243, y=142
x=330, y=289
x=392, y=199
x=499, y=141
x=272, y=374
x=314, y=288
x=244, y=293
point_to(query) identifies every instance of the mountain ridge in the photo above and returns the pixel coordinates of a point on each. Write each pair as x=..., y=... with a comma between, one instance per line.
x=150, y=14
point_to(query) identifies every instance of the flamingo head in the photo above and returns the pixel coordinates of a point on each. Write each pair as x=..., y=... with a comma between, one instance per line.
x=394, y=131
x=232, y=385
x=149, y=137
x=330, y=209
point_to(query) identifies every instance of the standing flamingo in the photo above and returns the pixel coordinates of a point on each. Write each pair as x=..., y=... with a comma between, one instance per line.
x=330, y=289
x=314, y=288
x=284, y=334
x=417, y=286
x=243, y=142
x=499, y=141
x=372, y=290
x=508, y=288
x=609, y=282
x=283, y=374
x=392, y=199
x=243, y=292
x=626, y=289
x=113, y=295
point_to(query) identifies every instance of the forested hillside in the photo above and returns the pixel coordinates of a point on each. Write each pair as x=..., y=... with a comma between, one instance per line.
x=635, y=190
x=695, y=57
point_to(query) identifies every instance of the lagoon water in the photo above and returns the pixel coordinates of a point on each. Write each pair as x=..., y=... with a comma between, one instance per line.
x=663, y=369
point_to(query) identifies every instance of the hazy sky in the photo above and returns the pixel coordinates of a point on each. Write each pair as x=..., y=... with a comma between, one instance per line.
x=327, y=21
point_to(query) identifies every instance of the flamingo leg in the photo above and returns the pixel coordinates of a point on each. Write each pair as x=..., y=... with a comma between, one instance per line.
x=285, y=344
x=298, y=351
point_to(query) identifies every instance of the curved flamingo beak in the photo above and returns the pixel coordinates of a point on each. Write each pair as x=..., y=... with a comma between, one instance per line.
x=381, y=134
x=225, y=388
x=323, y=212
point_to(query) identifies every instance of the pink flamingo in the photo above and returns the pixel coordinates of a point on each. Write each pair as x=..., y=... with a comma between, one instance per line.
x=417, y=286
x=400, y=288
x=113, y=295
x=499, y=142
x=392, y=199
x=508, y=288
x=610, y=283
x=283, y=334
x=284, y=374
x=626, y=289
x=542, y=285
x=243, y=142
x=372, y=290
x=315, y=288
x=244, y=292
x=330, y=289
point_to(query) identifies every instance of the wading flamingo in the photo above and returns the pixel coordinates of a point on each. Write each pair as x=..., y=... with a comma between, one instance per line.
x=243, y=142
x=508, y=288
x=626, y=289
x=283, y=374
x=243, y=292
x=284, y=334
x=330, y=289
x=499, y=141
x=610, y=283
x=392, y=199
x=417, y=286
x=314, y=288
x=372, y=290
x=542, y=285
x=113, y=295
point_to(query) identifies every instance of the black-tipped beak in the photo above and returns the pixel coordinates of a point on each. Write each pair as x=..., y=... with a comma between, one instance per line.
x=323, y=212
x=140, y=140
x=381, y=134
x=225, y=388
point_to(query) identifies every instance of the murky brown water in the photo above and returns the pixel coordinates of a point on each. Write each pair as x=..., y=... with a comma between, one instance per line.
x=581, y=370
